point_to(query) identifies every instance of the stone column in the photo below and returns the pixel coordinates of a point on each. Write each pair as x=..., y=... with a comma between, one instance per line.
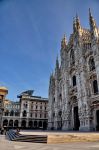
x=27, y=122
x=72, y=118
x=20, y=122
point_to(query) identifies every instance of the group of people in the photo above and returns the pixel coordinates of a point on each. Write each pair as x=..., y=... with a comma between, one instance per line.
x=3, y=130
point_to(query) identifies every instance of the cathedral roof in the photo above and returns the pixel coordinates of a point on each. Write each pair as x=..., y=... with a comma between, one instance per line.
x=86, y=35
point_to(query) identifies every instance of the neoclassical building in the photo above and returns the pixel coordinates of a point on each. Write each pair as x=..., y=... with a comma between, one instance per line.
x=29, y=112
x=3, y=93
x=74, y=86
x=11, y=113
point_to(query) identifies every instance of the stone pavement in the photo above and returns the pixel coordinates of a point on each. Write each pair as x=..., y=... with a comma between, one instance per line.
x=56, y=137
x=5, y=144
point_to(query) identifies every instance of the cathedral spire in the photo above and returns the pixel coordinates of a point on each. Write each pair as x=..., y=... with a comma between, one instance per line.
x=51, y=75
x=57, y=67
x=63, y=42
x=57, y=63
x=92, y=21
x=78, y=26
x=76, y=23
x=90, y=15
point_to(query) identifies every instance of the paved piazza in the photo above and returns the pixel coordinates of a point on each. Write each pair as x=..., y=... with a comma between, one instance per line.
x=56, y=137
x=5, y=144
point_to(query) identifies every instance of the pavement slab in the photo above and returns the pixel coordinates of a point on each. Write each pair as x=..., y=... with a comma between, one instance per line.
x=5, y=144
x=65, y=137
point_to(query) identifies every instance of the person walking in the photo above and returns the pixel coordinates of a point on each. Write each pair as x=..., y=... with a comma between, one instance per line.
x=2, y=130
x=5, y=129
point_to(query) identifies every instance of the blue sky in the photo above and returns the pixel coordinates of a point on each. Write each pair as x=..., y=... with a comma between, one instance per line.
x=30, y=35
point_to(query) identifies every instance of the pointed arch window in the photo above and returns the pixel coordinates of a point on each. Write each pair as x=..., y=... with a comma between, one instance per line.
x=54, y=99
x=60, y=97
x=54, y=114
x=95, y=86
x=91, y=64
x=72, y=57
x=74, y=80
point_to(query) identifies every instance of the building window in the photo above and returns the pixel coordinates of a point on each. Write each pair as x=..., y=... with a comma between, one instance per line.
x=60, y=97
x=12, y=113
x=40, y=115
x=74, y=80
x=45, y=108
x=25, y=105
x=36, y=115
x=40, y=107
x=54, y=99
x=72, y=57
x=6, y=113
x=16, y=113
x=54, y=114
x=30, y=114
x=91, y=64
x=24, y=113
x=36, y=107
x=95, y=86
x=87, y=45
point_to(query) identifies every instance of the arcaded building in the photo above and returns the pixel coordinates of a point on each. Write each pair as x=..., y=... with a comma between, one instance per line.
x=3, y=93
x=11, y=113
x=74, y=86
x=29, y=112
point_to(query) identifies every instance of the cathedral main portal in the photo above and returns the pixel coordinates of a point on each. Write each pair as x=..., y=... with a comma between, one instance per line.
x=76, y=119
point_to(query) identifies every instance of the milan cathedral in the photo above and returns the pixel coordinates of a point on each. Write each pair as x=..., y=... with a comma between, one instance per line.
x=74, y=85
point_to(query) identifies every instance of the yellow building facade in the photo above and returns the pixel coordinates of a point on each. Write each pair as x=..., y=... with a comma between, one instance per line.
x=3, y=93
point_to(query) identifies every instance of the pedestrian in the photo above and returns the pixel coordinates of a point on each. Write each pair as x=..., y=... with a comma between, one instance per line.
x=2, y=130
x=17, y=131
x=5, y=129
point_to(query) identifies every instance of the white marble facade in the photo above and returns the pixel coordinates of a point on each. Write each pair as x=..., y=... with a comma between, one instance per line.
x=74, y=86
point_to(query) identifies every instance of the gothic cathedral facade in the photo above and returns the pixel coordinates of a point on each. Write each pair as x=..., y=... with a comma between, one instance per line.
x=74, y=85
